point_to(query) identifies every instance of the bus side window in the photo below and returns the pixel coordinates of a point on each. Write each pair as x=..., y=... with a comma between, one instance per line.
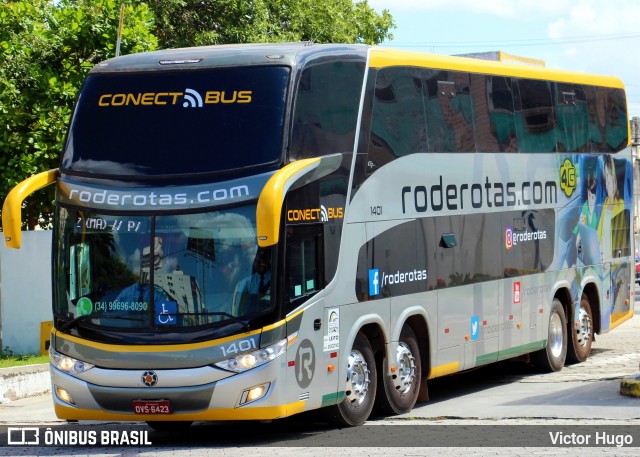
x=398, y=123
x=449, y=111
x=493, y=110
x=607, y=118
x=304, y=271
x=326, y=113
x=617, y=121
x=534, y=115
x=571, y=116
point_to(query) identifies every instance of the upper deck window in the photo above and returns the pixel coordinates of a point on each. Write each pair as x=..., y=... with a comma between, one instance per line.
x=326, y=109
x=173, y=123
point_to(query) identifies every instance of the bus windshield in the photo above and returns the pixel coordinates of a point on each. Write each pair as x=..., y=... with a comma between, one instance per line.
x=175, y=123
x=161, y=272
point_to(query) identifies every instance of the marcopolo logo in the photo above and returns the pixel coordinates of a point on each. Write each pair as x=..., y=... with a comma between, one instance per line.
x=513, y=238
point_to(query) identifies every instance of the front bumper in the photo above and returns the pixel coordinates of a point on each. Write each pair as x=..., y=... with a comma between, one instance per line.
x=205, y=394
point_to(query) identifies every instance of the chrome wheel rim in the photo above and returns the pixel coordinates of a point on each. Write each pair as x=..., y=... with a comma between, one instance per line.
x=583, y=327
x=556, y=335
x=357, y=378
x=406, y=369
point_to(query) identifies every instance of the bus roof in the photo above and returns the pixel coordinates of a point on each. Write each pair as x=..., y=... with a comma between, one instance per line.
x=229, y=55
x=386, y=57
x=296, y=53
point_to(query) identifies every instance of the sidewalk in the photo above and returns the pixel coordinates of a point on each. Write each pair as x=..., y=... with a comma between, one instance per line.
x=25, y=381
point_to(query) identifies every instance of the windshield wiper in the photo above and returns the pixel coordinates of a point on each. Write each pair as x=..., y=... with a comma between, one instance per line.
x=85, y=317
x=245, y=324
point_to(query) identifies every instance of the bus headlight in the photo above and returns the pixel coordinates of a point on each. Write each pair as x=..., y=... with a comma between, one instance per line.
x=253, y=359
x=68, y=364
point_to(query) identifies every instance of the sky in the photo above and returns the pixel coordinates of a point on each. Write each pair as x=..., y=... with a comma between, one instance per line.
x=592, y=36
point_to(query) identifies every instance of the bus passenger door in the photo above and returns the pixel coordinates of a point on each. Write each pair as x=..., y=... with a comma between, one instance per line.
x=467, y=302
x=304, y=277
x=454, y=304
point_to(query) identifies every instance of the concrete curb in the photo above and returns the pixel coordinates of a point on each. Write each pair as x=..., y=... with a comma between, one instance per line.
x=24, y=381
x=630, y=387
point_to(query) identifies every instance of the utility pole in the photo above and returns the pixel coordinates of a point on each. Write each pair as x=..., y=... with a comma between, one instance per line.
x=120, y=30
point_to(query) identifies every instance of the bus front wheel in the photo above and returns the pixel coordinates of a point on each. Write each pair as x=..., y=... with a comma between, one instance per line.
x=553, y=356
x=360, y=387
x=398, y=392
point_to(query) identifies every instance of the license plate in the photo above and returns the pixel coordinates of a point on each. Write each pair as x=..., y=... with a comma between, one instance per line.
x=152, y=407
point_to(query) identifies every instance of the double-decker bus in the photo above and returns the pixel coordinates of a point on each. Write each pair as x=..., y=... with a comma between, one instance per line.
x=254, y=231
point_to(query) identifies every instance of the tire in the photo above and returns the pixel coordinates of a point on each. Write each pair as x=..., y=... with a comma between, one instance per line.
x=553, y=356
x=398, y=393
x=581, y=335
x=360, y=387
x=169, y=426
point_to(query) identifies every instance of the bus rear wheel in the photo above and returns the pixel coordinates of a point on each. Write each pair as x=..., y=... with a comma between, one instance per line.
x=553, y=356
x=581, y=329
x=360, y=387
x=397, y=393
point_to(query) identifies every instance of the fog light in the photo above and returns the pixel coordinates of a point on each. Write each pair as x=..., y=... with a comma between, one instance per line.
x=254, y=393
x=64, y=395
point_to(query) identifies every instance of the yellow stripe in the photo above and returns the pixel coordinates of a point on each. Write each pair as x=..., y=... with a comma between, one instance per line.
x=282, y=322
x=269, y=209
x=443, y=370
x=12, y=207
x=246, y=413
x=619, y=318
x=384, y=57
x=273, y=326
x=153, y=348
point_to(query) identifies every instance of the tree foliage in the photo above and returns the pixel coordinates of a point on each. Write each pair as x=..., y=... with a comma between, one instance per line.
x=47, y=47
x=46, y=50
x=182, y=23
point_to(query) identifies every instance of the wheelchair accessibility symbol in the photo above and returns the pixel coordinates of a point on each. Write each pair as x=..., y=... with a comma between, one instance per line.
x=166, y=313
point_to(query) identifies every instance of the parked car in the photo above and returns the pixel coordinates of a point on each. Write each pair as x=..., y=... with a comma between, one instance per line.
x=637, y=268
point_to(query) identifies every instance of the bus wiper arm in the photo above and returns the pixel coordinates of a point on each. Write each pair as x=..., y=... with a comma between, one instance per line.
x=85, y=317
x=245, y=324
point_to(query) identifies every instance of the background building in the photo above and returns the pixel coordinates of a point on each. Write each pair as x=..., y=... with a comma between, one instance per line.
x=635, y=145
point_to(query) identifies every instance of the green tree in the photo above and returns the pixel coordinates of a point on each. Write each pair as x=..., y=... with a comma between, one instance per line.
x=201, y=22
x=46, y=49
